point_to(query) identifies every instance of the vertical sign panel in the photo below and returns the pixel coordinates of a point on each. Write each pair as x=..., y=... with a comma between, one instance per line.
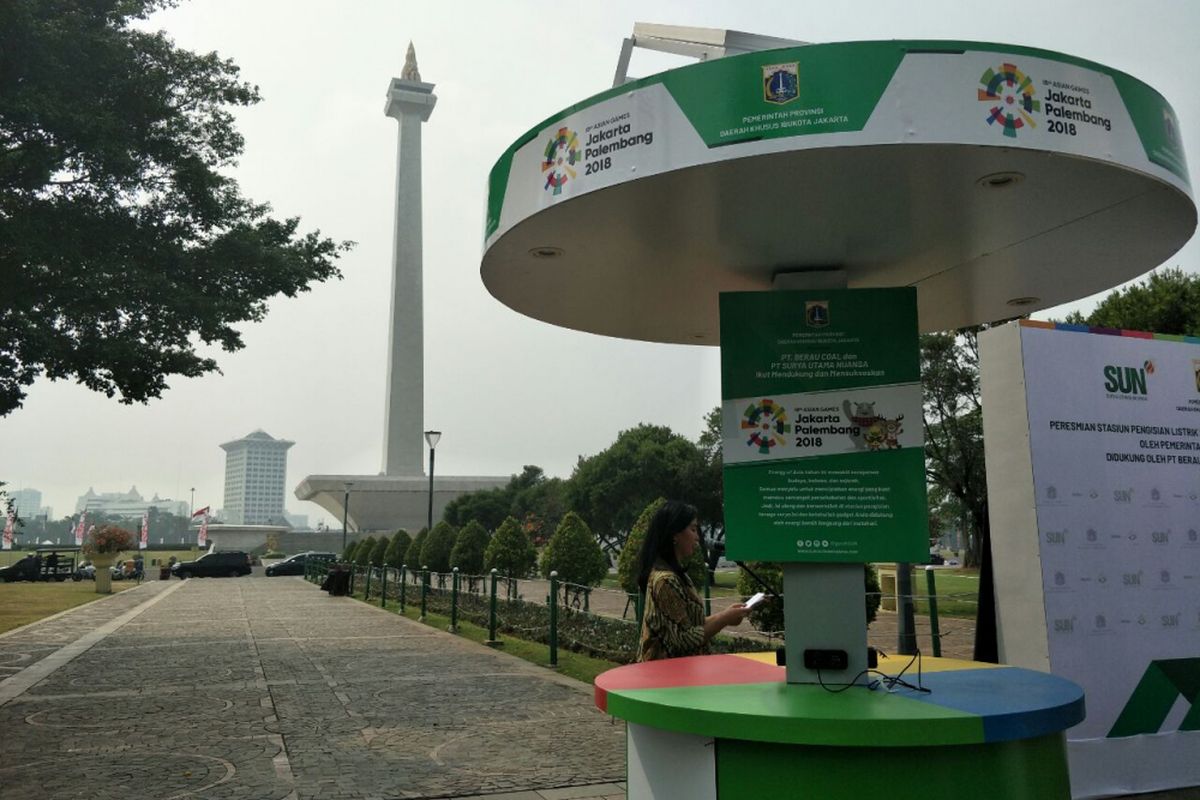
x=821, y=422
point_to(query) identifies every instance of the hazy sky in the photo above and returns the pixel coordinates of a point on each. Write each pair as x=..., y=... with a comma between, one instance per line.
x=505, y=390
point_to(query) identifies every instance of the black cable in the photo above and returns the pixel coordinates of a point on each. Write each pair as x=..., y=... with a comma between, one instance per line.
x=890, y=681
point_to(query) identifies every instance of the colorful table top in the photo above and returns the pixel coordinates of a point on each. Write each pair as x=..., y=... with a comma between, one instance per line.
x=747, y=697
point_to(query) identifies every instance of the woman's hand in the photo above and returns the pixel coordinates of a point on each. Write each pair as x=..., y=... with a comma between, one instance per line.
x=735, y=613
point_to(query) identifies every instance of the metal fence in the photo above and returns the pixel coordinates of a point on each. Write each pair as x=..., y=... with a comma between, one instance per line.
x=597, y=621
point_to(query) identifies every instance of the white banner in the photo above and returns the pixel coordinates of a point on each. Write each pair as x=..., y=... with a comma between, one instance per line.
x=1114, y=445
x=202, y=537
x=144, y=540
x=80, y=528
x=8, y=530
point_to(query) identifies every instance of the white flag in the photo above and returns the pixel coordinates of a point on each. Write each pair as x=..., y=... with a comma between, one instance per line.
x=144, y=542
x=202, y=539
x=79, y=529
x=8, y=530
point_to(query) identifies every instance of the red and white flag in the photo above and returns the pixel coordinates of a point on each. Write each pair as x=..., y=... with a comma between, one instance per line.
x=79, y=528
x=144, y=542
x=202, y=539
x=8, y=530
x=200, y=512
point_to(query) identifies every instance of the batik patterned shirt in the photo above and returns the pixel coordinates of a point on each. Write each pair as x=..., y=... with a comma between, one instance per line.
x=673, y=620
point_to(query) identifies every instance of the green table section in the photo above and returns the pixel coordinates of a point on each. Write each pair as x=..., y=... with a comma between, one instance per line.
x=995, y=726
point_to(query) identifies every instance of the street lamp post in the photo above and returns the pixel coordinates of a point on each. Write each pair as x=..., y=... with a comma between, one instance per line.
x=192, y=503
x=345, y=511
x=431, y=437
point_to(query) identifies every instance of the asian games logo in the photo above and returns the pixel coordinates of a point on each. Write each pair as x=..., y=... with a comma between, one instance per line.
x=559, y=159
x=1010, y=92
x=767, y=423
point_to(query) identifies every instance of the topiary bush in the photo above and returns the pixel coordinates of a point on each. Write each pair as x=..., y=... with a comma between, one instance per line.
x=379, y=550
x=436, y=552
x=627, y=561
x=511, y=551
x=574, y=553
x=397, y=549
x=413, y=556
x=469, y=546
x=362, y=553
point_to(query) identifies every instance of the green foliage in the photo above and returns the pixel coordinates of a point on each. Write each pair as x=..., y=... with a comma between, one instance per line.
x=128, y=249
x=611, y=488
x=511, y=551
x=529, y=496
x=574, y=553
x=954, y=460
x=379, y=551
x=362, y=553
x=397, y=549
x=628, y=561
x=413, y=556
x=348, y=553
x=436, y=552
x=469, y=548
x=1166, y=301
x=767, y=616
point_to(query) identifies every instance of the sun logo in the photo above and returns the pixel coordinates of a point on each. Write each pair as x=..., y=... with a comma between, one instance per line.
x=767, y=423
x=559, y=159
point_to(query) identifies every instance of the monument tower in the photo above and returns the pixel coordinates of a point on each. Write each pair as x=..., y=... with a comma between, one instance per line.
x=398, y=497
x=410, y=102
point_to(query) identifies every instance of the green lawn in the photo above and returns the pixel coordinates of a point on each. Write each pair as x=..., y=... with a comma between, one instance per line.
x=23, y=603
x=957, y=591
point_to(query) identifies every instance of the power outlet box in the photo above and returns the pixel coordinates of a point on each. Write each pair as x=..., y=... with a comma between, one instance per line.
x=830, y=660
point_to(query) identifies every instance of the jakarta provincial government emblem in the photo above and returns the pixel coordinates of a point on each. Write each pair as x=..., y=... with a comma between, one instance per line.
x=816, y=313
x=781, y=82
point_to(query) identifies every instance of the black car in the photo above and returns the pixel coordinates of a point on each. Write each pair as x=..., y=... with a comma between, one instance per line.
x=45, y=564
x=294, y=565
x=28, y=568
x=231, y=563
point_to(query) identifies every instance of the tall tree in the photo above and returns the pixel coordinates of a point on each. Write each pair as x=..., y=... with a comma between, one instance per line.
x=1165, y=301
x=611, y=488
x=954, y=428
x=124, y=244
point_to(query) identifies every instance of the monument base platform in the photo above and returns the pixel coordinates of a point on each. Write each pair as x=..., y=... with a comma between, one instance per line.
x=389, y=502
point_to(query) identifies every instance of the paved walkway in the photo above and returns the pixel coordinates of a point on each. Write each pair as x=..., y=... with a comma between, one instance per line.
x=269, y=688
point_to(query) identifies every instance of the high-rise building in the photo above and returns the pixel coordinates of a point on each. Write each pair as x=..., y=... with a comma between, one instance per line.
x=255, y=474
x=28, y=503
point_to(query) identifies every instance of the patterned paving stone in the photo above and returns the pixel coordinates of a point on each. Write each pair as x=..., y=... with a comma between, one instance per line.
x=268, y=688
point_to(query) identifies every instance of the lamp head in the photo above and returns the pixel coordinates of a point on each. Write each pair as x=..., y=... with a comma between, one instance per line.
x=431, y=437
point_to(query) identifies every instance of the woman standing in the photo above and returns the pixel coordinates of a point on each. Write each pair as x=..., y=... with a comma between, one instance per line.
x=673, y=623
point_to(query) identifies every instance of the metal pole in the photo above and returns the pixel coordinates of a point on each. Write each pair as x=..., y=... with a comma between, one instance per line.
x=429, y=527
x=367, y=587
x=933, y=614
x=907, y=644
x=492, y=613
x=707, y=592
x=454, y=601
x=424, y=591
x=554, y=618
x=403, y=584
x=345, y=514
x=383, y=589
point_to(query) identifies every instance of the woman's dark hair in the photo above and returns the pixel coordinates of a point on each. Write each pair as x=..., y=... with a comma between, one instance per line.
x=659, y=544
